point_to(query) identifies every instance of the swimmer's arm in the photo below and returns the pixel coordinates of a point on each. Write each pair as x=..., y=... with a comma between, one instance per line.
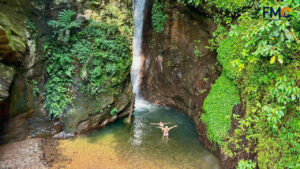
x=154, y=123
x=172, y=127
x=160, y=128
x=167, y=123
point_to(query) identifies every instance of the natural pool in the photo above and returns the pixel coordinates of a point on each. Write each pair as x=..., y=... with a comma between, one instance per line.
x=139, y=145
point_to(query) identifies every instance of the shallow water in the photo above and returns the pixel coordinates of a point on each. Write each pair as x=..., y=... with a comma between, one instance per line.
x=139, y=145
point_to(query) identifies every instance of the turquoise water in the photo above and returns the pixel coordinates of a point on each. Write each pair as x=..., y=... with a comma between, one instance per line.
x=142, y=145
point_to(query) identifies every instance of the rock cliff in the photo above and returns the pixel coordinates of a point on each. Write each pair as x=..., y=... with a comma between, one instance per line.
x=23, y=75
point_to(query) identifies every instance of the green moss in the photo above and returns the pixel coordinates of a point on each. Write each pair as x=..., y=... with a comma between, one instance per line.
x=13, y=25
x=218, y=108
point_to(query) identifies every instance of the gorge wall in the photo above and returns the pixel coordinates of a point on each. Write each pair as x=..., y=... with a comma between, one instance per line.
x=178, y=70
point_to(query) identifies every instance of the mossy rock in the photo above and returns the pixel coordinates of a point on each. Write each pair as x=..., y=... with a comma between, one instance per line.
x=84, y=108
x=6, y=78
x=12, y=22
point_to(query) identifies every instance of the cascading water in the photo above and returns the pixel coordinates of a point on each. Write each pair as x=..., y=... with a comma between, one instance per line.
x=137, y=45
x=138, y=18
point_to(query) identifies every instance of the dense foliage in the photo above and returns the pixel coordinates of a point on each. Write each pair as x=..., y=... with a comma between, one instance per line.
x=159, y=18
x=218, y=107
x=261, y=56
x=92, y=59
x=223, y=5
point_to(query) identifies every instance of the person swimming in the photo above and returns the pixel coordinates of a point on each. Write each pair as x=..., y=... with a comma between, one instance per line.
x=161, y=124
x=166, y=131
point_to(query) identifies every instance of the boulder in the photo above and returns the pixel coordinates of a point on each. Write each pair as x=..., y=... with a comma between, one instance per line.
x=89, y=112
x=84, y=107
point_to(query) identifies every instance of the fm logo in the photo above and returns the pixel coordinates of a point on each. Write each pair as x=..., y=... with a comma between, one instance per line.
x=280, y=12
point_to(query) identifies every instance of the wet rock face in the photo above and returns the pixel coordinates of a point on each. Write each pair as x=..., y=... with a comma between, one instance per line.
x=6, y=78
x=21, y=96
x=173, y=75
x=12, y=41
x=27, y=116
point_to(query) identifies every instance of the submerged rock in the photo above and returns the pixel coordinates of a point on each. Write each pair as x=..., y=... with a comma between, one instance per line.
x=24, y=154
x=63, y=135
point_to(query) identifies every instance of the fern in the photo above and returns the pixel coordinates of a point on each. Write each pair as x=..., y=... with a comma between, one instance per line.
x=64, y=25
x=65, y=16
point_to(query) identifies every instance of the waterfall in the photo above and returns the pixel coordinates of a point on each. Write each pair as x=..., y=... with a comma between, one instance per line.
x=138, y=18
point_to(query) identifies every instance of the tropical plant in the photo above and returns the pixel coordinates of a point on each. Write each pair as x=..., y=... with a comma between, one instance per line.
x=63, y=26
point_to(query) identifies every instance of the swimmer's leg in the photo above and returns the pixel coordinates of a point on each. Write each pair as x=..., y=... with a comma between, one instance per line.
x=164, y=139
